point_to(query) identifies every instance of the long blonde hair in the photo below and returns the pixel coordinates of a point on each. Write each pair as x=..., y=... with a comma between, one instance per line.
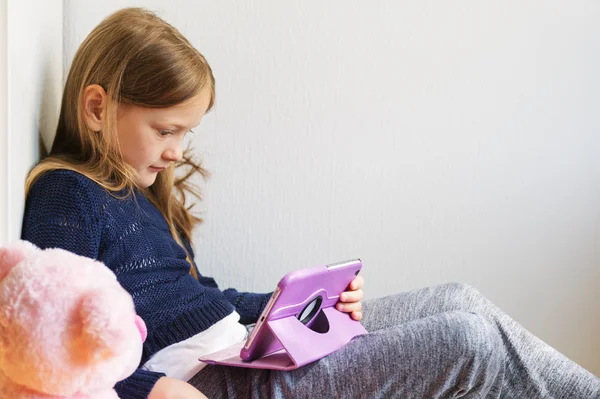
x=138, y=59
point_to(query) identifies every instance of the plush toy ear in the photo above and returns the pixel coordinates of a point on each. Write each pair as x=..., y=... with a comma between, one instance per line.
x=12, y=254
x=102, y=324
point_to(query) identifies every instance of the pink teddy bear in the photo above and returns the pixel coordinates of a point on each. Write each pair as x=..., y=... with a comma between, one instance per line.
x=67, y=327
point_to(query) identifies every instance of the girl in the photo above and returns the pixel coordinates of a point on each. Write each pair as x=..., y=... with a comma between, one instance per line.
x=108, y=191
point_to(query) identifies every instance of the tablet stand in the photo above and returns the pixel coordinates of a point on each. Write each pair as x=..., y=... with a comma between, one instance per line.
x=303, y=344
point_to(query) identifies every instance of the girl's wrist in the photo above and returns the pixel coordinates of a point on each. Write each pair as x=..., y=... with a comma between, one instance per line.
x=170, y=388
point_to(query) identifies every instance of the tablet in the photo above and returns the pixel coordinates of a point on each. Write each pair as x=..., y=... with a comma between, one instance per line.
x=303, y=294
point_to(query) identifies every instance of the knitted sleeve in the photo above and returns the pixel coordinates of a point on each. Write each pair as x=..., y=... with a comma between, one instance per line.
x=138, y=385
x=63, y=210
x=248, y=305
x=60, y=212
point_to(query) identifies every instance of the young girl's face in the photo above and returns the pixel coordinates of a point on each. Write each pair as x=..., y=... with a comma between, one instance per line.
x=151, y=138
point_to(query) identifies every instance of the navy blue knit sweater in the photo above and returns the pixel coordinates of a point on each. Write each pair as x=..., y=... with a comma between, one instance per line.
x=67, y=210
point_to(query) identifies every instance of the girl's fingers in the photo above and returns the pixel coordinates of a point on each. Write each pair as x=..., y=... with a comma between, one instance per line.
x=349, y=307
x=351, y=296
x=357, y=283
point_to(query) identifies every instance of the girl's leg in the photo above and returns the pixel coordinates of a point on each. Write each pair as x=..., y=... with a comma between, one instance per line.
x=449, y=355
x=533, y=370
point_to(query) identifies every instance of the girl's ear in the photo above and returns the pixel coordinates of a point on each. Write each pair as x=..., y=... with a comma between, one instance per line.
x=95, y=100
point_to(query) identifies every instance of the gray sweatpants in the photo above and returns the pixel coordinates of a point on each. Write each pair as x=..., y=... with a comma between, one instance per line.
x=446, y=341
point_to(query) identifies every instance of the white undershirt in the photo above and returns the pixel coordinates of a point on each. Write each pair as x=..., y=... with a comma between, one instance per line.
x=180, y=360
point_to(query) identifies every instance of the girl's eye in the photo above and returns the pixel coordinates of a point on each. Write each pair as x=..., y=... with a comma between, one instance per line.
x=164, y=133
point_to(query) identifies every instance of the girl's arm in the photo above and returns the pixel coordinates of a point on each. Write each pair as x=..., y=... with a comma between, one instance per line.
x=140, y=385
x=169, y=388
x=248, y=305
x=63, y=211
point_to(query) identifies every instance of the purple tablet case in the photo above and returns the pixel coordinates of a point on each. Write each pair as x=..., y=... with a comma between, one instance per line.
x=284, y=341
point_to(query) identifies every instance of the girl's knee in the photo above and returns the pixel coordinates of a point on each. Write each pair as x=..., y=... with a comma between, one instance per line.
x=461, y=296
x=476, y=337
x=479, y=352
x=459, y=288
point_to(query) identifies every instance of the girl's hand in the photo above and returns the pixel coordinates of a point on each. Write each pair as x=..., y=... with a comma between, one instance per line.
x=350, y=300
x=170, y=388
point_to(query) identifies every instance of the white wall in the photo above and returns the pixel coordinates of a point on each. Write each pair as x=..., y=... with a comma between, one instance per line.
x=30, y=90
x=3, y=123
x=438, y=141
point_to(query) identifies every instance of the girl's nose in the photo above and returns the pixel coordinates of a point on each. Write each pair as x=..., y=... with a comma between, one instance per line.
x=173, y=154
